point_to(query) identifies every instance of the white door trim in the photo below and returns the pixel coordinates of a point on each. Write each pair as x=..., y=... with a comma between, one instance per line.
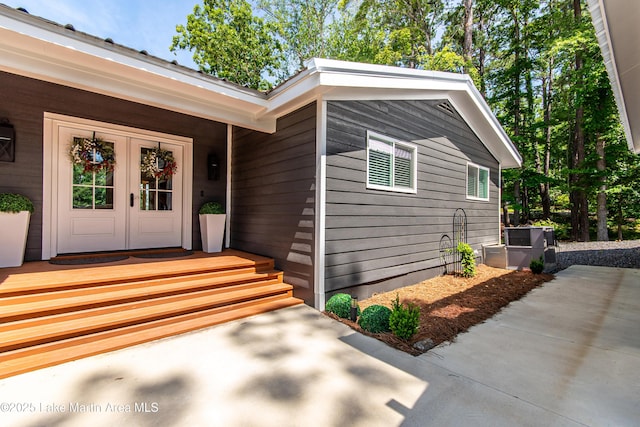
x=51, y=159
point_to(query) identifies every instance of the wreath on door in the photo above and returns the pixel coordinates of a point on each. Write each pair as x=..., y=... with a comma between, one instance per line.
x=93, y=154
x=159, y=163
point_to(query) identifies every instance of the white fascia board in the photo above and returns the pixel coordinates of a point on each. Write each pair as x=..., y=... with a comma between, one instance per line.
x=362, y=69
x=294, y=94
x=31, y=50
x=601, y=25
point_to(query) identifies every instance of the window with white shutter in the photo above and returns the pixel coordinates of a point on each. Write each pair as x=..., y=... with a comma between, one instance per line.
x=391, y=164
x=477, y=182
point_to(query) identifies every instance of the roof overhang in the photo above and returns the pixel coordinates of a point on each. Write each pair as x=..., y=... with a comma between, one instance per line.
x=41, y=49
x=618, y=32
x=339, y=80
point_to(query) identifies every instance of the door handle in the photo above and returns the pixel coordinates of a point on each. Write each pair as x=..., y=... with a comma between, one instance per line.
x=131, y=199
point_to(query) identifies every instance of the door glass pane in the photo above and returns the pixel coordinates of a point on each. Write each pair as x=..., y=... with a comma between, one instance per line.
x=93, y=187
x=147, y=200
x=82, y=198
x=155, y=189
x=165, y=183
x=104, y=198
x=164, y=201
x=104, y=177
x=80, y=176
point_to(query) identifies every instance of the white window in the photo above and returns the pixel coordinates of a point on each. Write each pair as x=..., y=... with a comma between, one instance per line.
x=391, y=164
x=477, y=182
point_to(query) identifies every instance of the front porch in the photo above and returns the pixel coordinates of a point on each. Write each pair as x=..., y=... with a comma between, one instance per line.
x=52, y=314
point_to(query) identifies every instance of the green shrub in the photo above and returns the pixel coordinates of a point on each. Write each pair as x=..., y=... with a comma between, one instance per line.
x=340, y=305
x=375, y=318
x=404, y=320
x=537, y=265
x=211, y=208
x=468, y=259
x=15, y=203
x=561, y=230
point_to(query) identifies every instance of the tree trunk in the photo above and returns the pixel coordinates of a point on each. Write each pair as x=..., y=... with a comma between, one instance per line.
x=578, y=197
x=482, y=54
x=505, y=208
x=619, y=218
x=547, y=94
x=468, y=31
x=516, y=110
x=603, y=232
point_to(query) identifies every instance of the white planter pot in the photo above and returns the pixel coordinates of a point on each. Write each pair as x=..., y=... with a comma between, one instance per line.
x=212, y=231
x=13, y=238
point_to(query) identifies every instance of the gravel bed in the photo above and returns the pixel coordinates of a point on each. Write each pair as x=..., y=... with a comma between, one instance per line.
x=625, y=254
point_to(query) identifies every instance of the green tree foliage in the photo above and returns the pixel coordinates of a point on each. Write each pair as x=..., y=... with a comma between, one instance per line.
x=408, y=29
x=302, y=25
x=230, y=42
x=536, y=62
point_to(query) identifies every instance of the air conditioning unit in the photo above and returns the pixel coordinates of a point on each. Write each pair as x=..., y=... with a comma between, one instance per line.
x=524, y=244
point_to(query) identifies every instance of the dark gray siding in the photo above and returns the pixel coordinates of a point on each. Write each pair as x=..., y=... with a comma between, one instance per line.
x=24, y=102
x=383, y=237
x=273, y=203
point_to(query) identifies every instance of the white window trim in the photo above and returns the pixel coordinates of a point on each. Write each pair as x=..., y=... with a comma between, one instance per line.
x=466, y=178
x=414, y=164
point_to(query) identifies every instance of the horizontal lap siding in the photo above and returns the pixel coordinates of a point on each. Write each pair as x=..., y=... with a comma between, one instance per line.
x=24, y=102
x=273, y=196
x=373, y=235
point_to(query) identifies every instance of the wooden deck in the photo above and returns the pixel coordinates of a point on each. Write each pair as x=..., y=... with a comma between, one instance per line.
x=50, y=314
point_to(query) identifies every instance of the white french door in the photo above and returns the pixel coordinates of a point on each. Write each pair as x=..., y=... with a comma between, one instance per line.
x=92, y=213
x=155, y=202
x=129, y=207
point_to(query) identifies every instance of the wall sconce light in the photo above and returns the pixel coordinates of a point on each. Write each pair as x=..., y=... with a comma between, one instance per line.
x=7, y=141
x=213, y=167
x=354, y=308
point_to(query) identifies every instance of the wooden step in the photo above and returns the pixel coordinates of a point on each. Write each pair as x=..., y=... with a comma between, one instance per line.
x=48, y=303
x=24, y=284
x=52, y=317
x=44, y=355
x=36, y=331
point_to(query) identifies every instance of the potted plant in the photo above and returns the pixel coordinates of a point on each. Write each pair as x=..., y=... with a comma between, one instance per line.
x=15, y=212
x=212, y=220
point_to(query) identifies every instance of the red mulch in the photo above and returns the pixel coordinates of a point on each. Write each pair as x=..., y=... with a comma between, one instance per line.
x=451, y=304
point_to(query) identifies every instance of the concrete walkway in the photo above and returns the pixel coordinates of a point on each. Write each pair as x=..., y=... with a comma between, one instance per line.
x=568, y=354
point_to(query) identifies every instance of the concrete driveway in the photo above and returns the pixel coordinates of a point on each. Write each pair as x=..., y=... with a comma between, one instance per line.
x=568, y=354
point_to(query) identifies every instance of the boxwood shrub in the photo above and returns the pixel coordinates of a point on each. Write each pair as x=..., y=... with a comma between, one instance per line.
x=537, y=266
x=15, y=203
x=211, y=208
x=375, y=319
x=340, y=305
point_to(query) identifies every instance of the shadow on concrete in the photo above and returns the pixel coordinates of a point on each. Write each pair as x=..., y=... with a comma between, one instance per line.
x=294, y=375
x=107, y=392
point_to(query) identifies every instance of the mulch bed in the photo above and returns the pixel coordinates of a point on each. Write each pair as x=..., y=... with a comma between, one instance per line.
x=451, y=304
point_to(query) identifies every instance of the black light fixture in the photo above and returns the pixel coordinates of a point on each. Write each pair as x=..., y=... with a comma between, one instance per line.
x=213, y=167
x=354, y=308
x=7, y=141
